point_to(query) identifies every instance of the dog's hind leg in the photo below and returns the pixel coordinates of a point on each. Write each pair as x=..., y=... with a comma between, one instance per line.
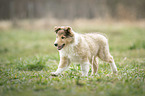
x=105, y=55
x=94, y=65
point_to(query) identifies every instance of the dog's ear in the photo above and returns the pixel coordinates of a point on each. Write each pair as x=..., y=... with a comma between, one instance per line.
x=57, y=28
x=68, y=31
x=68, y=28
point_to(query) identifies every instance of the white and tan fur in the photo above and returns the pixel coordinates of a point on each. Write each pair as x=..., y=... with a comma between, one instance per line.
x=83, y=49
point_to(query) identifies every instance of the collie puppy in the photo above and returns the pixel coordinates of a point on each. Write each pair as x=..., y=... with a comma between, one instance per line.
x=83, y=49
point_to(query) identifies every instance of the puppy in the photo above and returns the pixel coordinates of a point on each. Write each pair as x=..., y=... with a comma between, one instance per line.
x=83, y=49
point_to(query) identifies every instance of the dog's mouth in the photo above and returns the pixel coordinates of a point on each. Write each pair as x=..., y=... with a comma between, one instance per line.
x=60, y=47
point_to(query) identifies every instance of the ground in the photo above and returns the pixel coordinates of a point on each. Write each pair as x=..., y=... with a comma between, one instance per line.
x=27, y=57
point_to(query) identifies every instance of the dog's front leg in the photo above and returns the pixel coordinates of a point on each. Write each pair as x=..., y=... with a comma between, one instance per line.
x=85, y=68
x=63, y=65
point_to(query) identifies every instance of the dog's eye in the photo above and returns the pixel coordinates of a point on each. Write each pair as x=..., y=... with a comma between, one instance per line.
x=62, y=37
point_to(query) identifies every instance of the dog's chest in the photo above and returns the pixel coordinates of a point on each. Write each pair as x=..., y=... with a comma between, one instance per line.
x=72, y=54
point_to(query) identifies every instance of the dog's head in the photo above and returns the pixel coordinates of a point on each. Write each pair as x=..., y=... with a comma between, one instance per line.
x=64, y=36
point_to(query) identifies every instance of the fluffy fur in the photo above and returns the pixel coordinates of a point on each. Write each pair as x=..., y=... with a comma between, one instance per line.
x=81, y=48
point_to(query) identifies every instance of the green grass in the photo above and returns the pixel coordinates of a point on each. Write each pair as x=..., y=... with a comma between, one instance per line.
x=28, y=56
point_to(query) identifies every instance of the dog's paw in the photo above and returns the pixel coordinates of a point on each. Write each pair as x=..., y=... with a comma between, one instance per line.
x=94, y=74
x=84, y=75
x=54, y=74
x=114, y=73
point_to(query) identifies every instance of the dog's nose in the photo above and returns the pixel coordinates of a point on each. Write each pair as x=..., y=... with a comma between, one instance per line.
x=55, y=44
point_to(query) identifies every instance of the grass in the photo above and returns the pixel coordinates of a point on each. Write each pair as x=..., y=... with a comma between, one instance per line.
x=28, y=56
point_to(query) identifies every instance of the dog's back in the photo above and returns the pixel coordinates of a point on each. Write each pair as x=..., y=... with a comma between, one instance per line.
x=93, y=42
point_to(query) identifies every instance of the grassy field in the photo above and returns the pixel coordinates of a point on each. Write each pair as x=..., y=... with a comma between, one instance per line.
x=28, y=56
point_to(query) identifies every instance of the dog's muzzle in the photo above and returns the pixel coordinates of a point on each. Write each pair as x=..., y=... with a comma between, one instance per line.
x=59, y=47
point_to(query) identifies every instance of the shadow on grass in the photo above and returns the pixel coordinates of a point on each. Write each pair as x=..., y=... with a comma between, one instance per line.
x=31, y=67
x=32, y=64
x=35, y=67
x=137, y=45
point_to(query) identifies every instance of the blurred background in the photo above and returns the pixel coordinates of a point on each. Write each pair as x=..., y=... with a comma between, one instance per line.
x=123, y=21
x=46, y=13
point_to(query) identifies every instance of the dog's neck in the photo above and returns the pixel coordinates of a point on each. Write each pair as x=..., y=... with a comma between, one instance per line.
x=76, y=39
